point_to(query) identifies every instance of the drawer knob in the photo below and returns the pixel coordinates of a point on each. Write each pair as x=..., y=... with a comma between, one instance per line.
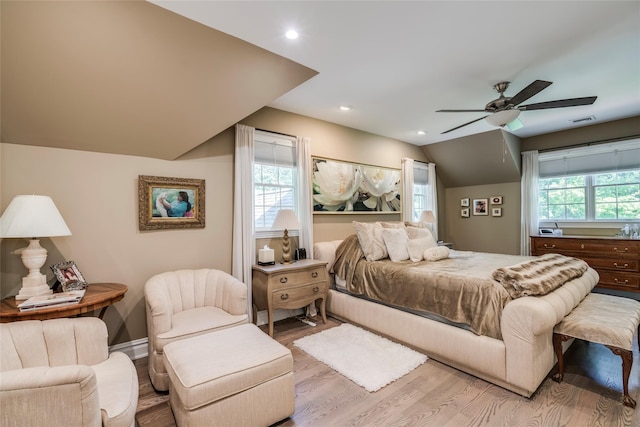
x=283, y=280
x=549, y=246
x=284, y=296
x=316, y=289
x=314, y=274
x=626, y=281
x=620, y=250
x=621, y=266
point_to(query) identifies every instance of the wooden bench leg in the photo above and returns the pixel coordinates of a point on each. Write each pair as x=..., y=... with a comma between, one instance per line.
x=627, y=362
x=558, y=339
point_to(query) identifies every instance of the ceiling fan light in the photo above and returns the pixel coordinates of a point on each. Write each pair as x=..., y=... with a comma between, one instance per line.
x=503, y=117
x=515, y=125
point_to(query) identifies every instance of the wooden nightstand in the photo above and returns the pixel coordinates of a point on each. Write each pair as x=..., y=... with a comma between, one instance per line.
x=289, y=286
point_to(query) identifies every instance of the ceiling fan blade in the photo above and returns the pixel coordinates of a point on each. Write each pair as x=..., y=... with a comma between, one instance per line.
x=529, y=91
x=573, y=102
x=458, y=127
x=460, y=111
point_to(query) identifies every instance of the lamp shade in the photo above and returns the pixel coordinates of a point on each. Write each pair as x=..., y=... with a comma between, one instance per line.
x=32, y=216
x=503, y=117
x=427, y=216
x=286, y=219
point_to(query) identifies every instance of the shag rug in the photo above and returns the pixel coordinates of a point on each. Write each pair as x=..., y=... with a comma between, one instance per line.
x=366, y=359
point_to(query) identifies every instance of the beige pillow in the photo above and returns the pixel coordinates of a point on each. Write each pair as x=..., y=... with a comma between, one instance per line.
x=416, y=248
x=371, y=241
x=437, y=253
x=395, y=239
x=391, y=224
x=416, y=224
x=421, y=233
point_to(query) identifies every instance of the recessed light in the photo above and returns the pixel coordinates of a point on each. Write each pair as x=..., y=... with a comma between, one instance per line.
x=345, y=108
x=291, y=34
x=421, y=132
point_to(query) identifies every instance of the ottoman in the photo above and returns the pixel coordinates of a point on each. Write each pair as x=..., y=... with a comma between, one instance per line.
x=233, y=377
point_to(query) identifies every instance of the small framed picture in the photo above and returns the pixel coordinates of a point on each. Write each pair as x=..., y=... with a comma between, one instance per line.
x=464, y=202
x=480, y=207
x=496, y=200
x=67, y=272
x=496, y=211
x=464, y=213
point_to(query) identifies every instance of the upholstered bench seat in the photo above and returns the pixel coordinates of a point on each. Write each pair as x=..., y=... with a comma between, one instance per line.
x=232, y=377
x=603, y=319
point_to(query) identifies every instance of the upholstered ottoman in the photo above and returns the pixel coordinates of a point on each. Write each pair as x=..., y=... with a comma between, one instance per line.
x=233, y=377
x=603, y=319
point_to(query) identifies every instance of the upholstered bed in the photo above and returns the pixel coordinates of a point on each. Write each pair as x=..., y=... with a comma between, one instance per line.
x=488, y=333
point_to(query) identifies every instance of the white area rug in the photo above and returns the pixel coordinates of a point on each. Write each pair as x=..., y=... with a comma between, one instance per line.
x=366, y=359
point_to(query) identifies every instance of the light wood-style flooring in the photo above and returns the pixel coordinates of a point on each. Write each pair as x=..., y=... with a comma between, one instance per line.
x=435, y=394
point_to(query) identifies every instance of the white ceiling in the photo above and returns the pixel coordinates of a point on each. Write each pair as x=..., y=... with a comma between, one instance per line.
x=395, y=62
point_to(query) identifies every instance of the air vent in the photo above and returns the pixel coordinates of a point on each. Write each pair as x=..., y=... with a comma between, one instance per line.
x=584, y=119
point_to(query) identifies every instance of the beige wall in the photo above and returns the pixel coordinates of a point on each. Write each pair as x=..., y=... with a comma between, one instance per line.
x=97, y=195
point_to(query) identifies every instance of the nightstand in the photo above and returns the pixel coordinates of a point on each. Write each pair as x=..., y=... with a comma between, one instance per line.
x=289, y=286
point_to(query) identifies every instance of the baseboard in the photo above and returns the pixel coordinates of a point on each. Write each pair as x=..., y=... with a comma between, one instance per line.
x=135, y=349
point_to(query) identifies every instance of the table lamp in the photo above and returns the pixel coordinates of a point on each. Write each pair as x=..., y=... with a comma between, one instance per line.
x=32, y=217
x=428, y=217
x=286, y=220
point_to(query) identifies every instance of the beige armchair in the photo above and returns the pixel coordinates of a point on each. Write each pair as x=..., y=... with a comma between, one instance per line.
x=186, y=303
x=60, y=373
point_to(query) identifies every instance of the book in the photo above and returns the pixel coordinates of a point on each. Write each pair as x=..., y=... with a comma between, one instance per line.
x=53, y=300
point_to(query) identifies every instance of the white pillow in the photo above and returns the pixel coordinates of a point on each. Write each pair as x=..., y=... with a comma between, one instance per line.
x=416, y=248
x=421, y=233
x=437, y=253
x=371, y=241
x=395, y=239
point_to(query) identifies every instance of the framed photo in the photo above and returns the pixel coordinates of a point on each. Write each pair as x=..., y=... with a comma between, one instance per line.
x=165, y=203
x=464, y=202
x=496, y=211
x=67, y=272
x=464, y=213
x=496, y=200
x=480, y=207
x=343, y=187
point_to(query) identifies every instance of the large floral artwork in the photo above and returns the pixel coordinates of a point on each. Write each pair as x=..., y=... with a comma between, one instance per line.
x=341, y=187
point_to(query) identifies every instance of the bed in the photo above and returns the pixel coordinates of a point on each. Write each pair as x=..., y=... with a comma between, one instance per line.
x=455, y=310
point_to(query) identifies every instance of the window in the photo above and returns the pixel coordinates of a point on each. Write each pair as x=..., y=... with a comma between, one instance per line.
x=420, y=190
x=590, y=184
x=274, y=179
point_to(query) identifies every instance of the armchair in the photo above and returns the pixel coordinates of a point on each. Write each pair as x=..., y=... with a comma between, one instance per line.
x=60, y=373
x=186, y=303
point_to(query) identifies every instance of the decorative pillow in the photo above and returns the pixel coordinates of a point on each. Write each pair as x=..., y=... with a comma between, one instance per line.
x=437, y=253
x=395, y=239
x=416, y=224
x=391, y=224
x=416, y=248
x=371, y=241
x=421, y=233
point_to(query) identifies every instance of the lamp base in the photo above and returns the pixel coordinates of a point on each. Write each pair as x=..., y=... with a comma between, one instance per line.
x=27, y=292
x=35, y=283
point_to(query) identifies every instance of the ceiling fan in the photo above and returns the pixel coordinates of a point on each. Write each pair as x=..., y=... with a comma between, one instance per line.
x=505, y=109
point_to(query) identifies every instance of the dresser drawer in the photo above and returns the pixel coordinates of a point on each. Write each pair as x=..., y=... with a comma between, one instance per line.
x=619, y=280
x=617, y=264
x=301, y=295
x=602, y=247
x=287, y=279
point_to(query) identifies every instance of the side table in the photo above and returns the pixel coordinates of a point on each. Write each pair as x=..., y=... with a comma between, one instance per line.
x=289, y=286
x=97, y=296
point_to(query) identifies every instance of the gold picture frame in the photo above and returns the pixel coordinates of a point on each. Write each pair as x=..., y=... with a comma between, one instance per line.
x=168, y=203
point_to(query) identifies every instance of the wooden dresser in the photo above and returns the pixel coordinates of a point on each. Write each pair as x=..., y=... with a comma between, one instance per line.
x=617, y=261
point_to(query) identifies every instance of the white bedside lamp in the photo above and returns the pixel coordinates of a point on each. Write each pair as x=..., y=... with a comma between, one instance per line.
x=428, y=217
x=286, y=220
x=31, y=217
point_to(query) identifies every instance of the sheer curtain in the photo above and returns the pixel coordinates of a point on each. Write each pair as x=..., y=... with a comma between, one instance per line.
x=432, y=196
x=243, y=245
x=407, y=189
x=529, y=200
x=305, y=213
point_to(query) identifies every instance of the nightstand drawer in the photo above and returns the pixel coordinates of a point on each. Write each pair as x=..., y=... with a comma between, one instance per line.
x=287, y=279
x=294, y=297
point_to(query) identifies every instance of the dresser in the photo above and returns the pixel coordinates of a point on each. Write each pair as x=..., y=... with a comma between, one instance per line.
x=617, y=261
x=289, y=286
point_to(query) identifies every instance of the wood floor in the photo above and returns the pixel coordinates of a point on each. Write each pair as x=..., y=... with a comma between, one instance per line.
x=437, y=395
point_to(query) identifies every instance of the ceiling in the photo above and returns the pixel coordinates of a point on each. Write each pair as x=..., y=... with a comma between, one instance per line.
x=395, y=62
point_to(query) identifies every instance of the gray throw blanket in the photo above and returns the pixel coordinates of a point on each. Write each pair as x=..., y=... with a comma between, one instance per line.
x=539, y=276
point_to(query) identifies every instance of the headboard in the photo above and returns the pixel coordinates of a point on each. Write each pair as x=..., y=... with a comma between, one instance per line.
x=326, y=251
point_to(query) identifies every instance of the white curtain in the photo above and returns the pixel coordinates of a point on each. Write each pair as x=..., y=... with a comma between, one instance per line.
x=432, y=197
x=305, y=213
x=529, y=200
x=407, y=189
x=243, y=250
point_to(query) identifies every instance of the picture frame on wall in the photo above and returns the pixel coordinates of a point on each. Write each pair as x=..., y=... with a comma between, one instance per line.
x=480, y=207
x=496, y=211
x=464, y=202
x=464, y=213
x=166, y=203
x=496, y=200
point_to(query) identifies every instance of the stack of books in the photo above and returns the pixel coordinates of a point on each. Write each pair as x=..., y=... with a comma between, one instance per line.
x=53, y=300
